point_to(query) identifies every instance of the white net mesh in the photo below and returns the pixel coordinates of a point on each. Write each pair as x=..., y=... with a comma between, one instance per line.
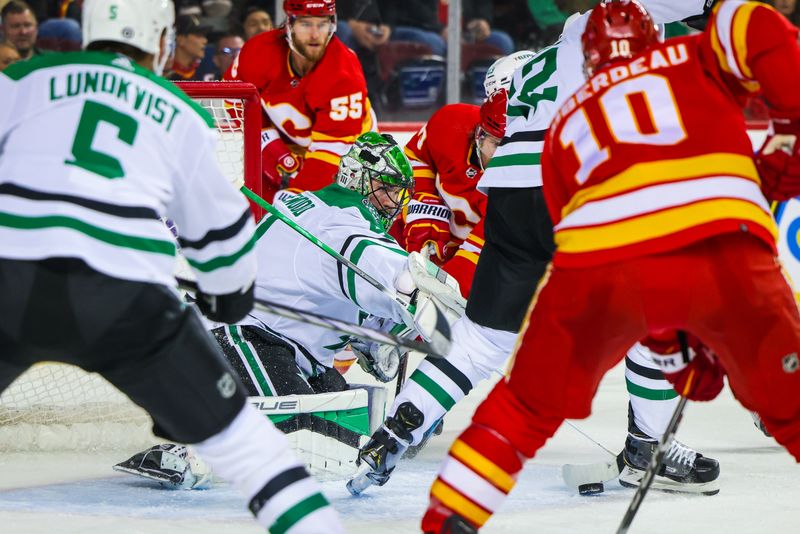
x=60, y=407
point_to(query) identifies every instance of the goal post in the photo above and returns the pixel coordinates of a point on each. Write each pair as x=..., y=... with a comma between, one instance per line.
x=236, y=109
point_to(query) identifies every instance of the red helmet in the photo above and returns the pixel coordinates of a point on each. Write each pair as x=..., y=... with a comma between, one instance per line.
x=309, y=8
x=493, y=114
x=616, y=30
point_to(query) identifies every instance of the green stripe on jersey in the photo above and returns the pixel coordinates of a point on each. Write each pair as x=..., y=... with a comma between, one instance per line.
x=21, y=69
x=252, y=360
x=358, y=251
x=515, y=159
x=223, y=261
x=650, y=394
x=436, y=391
x=156, y=246
x=297, y=512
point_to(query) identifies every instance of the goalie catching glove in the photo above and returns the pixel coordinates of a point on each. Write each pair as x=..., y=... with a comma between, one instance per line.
x=700, y=378
x=278, y=163
x=778, y=161
x=432, y=292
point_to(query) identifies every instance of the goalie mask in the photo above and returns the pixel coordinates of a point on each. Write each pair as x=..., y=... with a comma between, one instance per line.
x=138, y=23
x=376, y=168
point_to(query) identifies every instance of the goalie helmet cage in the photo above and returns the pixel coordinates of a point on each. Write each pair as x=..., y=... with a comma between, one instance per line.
x=59, y=407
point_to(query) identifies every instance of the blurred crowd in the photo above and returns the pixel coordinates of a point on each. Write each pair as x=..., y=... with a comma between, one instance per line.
x=385, y=34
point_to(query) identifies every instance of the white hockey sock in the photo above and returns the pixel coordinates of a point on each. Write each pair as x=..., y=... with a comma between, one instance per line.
x=254, y=456
x=437, y=385
x=652, y=397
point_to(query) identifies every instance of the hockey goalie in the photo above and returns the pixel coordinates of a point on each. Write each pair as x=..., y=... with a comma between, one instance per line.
x=288, y=367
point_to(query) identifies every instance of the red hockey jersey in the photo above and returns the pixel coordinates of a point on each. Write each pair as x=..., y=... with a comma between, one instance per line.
x=320, y=114
x=653, y=154
x=445, y=163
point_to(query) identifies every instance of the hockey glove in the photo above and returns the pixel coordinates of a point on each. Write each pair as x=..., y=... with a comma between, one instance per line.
x=428, y=223
x=700, y=379
x=778, y=161
x=378, y=359
x=278, y=163
x=228, y=308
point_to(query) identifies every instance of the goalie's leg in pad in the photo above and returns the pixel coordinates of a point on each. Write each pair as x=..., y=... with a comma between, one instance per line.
x=684, y=470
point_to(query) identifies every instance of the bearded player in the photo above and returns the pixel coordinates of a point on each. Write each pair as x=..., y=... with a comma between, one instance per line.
x=313, y=94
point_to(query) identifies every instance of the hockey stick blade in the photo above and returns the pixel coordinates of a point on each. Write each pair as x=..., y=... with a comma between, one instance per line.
x=331, y=323
x=577, y=475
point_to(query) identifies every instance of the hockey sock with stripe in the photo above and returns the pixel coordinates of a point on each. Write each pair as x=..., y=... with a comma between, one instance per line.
x=254, y=456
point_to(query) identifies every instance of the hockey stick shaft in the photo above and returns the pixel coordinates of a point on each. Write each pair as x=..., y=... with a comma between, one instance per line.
x=331, y=323
x=407, y=308
x=658, y=455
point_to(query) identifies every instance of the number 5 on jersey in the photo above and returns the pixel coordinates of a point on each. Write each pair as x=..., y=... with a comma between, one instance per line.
x=347, y=106
x=90, y=159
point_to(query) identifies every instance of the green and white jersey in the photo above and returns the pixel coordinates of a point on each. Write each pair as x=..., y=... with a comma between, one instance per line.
x=94, y=151
x=295, y=272
x=541, y=86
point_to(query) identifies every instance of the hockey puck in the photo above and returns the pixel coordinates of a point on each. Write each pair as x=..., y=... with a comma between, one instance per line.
x=591, y=489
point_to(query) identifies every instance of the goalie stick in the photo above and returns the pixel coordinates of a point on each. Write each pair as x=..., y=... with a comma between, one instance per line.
x=406, y=306
x=441, y=327
x=331, y=323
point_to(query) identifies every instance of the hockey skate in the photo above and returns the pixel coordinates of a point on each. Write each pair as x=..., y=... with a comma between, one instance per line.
x=379, y=456
x=684, y=470
x=172, y=466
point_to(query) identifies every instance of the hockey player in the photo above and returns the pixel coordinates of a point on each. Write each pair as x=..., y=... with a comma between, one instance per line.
x=372, y=187
x=96, y=149
x=276, y=356
x=313, y=94
x=650, y=179
x=448, y=155
x=518, y=246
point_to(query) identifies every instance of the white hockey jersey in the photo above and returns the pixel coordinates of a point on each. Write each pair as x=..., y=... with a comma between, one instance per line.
x=541, y=86
x=94, y=151
x=295, y=272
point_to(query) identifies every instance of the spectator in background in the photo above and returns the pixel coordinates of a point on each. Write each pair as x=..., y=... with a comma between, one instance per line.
x=548, y=17
x=415, y=20
x=8, y=55
x=254, y=21
x=425, y=21
x=227, y=50
x=20, y=28
x=360, y=25
x=191, y=39
x=477, y=17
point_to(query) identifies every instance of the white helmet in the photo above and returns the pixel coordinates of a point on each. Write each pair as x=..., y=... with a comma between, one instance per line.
x=500, y=73
x=138, y=23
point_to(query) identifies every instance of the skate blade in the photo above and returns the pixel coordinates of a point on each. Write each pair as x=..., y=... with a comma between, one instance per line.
x=359, y=482
x=630, y=478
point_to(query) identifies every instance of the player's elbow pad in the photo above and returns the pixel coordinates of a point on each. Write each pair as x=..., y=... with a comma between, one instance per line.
x=229, y=308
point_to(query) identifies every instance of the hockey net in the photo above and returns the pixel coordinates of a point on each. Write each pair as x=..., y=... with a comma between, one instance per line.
x=60, y=407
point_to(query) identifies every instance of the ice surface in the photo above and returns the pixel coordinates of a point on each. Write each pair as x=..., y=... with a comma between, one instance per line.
x=73, y=492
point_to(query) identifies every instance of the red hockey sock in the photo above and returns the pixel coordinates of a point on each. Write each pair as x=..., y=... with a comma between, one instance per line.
x=479, y=471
